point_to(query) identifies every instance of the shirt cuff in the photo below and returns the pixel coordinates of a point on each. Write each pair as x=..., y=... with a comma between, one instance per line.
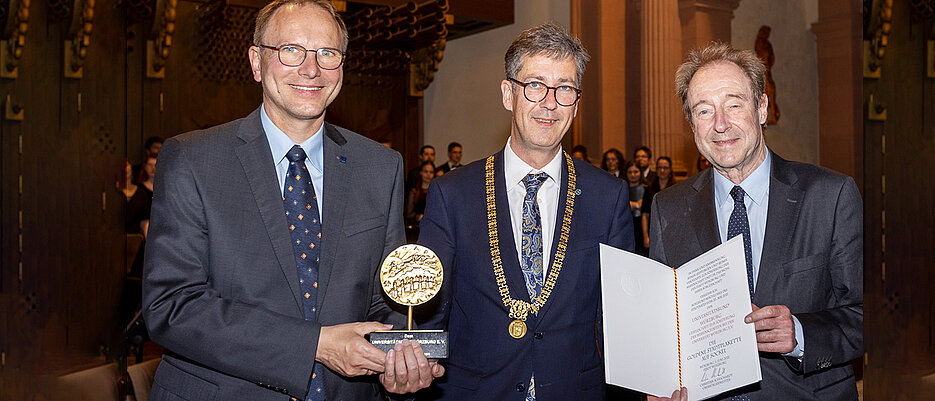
x=799, y=350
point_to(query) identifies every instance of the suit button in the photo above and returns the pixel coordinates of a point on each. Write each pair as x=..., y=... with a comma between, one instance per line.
x=520, y=387
x=538, y=336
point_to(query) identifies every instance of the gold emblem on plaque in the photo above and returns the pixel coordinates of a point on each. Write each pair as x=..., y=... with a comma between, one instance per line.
x=517, y=329
x=411, y=275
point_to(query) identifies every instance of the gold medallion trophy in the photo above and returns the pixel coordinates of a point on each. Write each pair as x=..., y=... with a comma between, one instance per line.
x=411, y=275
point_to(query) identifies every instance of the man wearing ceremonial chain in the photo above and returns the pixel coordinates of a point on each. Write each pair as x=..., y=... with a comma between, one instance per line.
x=518, y=235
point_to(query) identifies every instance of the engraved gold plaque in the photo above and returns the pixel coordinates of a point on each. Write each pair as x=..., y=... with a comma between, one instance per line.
x=411, y=275
x=517, y=329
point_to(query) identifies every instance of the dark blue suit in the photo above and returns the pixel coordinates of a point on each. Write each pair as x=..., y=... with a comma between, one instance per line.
x=561, y=344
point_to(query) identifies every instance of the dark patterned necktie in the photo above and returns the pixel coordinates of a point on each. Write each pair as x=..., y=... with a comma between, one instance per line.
x=301, y=206
x=737, y=225
x=532, y=250
x=740, y=225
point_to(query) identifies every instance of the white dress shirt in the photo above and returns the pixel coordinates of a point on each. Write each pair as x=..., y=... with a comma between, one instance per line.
x=515, y=169
x=279, y=145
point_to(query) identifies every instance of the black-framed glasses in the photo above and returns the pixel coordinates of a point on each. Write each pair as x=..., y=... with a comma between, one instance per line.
x=294, y=55
x=535, y=91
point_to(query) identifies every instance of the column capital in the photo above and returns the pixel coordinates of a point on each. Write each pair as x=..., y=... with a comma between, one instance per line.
x=711, y=5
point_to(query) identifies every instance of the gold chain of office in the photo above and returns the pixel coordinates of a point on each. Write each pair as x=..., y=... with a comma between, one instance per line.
x=519, y=309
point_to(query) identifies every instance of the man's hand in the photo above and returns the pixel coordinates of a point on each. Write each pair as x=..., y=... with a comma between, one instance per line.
x=677, y=395
x=775, y=331
x=343, y=349
x=406, y=369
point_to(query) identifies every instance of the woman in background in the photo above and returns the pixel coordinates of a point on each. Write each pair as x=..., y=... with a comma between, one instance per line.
x=611, y=162
x=637, y=190
x=415, y=200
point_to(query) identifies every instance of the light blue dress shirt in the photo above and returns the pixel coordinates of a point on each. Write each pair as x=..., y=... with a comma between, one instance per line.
x=756, y=200
x=279, y=145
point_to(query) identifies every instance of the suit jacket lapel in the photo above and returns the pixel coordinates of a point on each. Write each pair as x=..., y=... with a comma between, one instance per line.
x=785, y=201
x=512, y=269
x=701, y=207
x=337, y=164
x=254, y=156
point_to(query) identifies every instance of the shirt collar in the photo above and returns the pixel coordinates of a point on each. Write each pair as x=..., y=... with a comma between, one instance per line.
x=280, y=143
x=515, y=169
x=756, y=185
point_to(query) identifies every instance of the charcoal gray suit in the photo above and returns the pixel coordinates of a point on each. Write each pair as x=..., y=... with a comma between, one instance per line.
x=812, y=262
x=221, y=290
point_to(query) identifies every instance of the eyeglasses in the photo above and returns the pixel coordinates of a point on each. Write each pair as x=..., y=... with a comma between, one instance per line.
x=535, y=91
x=294, y=55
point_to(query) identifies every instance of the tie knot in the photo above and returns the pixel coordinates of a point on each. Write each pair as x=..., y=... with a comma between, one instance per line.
x=534, y=181
x=737, y=193
x=296, y=154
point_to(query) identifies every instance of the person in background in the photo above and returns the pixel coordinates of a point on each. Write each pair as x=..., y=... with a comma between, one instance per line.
x=415, y=200
x=611, y=162
x=426, y=154
x=139, y=205
x=455, y=151
x=643, y=158
x=637, y=190
x=662, y=179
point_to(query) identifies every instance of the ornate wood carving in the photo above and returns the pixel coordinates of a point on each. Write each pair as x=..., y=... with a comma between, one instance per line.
x=157, y=48
x=875, y=48
x=79, y=38
x=224, y=34
x=14, y=38
x=388, y=43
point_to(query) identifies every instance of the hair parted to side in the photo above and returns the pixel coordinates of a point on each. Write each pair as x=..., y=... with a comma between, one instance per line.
x=717, y=52
x=549, y=40
x=267, y=12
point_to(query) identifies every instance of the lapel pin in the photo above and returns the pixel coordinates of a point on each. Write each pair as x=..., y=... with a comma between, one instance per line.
x=342, y=159
x=577, y=192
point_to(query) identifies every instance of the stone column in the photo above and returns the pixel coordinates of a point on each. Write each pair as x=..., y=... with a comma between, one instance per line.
x=705, y=20
x=662, y=121
x=837, y=34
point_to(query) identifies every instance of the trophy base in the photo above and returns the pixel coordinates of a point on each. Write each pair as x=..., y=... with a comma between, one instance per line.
x=434, y=342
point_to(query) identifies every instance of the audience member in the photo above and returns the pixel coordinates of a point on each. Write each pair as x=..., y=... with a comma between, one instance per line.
x=415, y=200
x=138, y=206
x=426, y=154
x=663, y=177
x=611, y=162
x=643, y=158
x=637, y=190
x=151, y=148
x=454, y=158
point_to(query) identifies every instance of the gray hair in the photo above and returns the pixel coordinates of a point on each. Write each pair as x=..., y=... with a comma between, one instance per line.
x=266, y=14
x=714, y=53
x=548, y=40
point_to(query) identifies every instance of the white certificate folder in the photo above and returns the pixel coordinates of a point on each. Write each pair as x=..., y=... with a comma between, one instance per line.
x=668, y=328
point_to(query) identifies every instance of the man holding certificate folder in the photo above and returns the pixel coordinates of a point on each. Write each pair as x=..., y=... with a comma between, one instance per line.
x=801, y=228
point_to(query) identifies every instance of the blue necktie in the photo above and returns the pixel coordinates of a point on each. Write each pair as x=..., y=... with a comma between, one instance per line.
x=532, y=250
x=737, y=225
x=299, y=199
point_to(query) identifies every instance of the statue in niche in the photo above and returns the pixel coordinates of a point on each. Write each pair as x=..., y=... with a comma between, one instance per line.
x=764, y=50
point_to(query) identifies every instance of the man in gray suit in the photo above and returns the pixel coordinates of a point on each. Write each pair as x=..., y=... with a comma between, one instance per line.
x=253, y=296
x=802, y=228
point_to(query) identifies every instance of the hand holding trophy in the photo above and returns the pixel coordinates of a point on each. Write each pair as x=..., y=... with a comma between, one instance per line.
x=411, y=275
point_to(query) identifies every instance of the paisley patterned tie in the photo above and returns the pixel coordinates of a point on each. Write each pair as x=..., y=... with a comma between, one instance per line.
x=532, y=250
